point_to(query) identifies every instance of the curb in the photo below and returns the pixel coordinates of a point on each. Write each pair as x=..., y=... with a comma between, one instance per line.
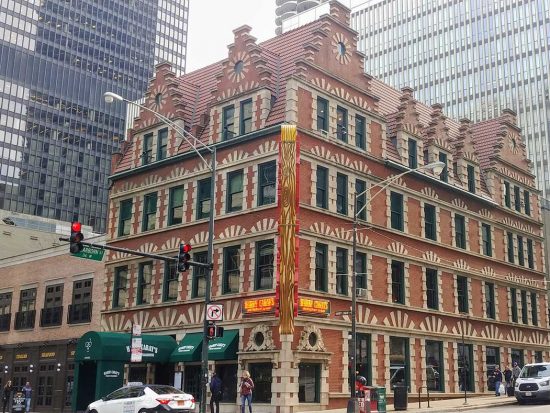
x=463, y=408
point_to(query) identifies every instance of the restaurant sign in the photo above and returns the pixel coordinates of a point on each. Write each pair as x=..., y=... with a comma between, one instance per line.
x=313, y=306
x=259, y=305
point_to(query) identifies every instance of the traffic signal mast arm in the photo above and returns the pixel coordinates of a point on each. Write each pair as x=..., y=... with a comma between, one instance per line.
x=141, y=254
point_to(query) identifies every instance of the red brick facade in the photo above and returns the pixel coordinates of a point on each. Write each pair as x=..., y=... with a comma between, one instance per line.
x=286, y=79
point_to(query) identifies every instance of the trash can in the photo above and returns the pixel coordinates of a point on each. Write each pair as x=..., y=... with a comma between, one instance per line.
x=400, y=397
x=381, y=399
x=371, y=398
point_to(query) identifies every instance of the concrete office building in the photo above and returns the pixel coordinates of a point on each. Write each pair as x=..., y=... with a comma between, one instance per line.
x=473, y=57
x=288, y=8
x=57, y=58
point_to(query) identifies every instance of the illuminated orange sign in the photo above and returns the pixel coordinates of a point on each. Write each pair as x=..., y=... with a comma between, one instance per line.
x=259, y=305
x=314, y=306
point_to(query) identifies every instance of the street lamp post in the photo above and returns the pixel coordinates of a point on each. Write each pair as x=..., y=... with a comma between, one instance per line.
x=109, y=98
x=437, y=167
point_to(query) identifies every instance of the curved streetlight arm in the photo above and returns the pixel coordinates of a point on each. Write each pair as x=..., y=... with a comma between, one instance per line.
x=110, y=96
x=392, y=179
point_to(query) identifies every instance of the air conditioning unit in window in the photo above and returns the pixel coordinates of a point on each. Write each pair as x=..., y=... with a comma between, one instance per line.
x=361, y=292
x=323, y=132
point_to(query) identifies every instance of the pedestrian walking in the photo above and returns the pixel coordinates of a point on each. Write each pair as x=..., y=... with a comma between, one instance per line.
x=27, y=393
x=6, y=396
x=216, y=392
x=516, y=372
x=246, y=386
x=508, y=379
x=498, y=380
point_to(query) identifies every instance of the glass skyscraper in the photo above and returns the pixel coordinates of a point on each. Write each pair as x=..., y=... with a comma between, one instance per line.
x=476, y=57
x=57, y=58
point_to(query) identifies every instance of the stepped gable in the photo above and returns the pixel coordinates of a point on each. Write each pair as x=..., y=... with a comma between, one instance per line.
x=408, y=117
x=437, y=132
x=163, y=95
x=246, y=67
x=500, y=139
x=464, y=142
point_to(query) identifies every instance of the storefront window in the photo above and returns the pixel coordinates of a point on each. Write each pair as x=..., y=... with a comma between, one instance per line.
x=399, y=361
x=434, y=365
x=493, y=360
x=45, y=385
x=364, y=360
x=517, y=356
x=465, y=367
x=261, y=373
x=309, y=383
x=192, y=381
x=228, y=375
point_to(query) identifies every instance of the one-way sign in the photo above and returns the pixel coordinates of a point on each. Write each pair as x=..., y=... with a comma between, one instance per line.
x=214, y=312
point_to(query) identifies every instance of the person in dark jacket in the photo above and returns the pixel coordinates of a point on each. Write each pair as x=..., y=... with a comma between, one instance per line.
x=508, y=379
x=498, y=379
x=6, y=396
x=216, y=392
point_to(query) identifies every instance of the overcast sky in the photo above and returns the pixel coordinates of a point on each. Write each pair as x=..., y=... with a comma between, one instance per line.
x=211, y=25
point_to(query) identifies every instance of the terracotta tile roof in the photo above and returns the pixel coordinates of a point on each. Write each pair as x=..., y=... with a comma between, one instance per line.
x=485, y=139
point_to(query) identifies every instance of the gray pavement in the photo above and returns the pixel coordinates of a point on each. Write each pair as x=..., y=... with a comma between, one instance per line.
x=453, y=405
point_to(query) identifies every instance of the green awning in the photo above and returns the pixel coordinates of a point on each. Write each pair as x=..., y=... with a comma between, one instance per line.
x=222, y=348
x=189, y=348
x=116, y=347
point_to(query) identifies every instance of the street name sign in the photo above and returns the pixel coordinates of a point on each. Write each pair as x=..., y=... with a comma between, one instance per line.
x=90, y=253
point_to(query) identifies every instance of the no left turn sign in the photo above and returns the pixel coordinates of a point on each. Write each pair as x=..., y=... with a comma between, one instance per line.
x=214, y=312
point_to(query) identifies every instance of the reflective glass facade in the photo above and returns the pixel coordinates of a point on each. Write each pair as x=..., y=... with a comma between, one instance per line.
x=57, y=58
x=476, y=57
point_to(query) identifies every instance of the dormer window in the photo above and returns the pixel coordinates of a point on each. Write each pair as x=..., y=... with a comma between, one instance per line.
x=147, y=154
x=413, y=154
x=360, y=132
x=162, y=144
x=517, y=199
x=246, y=117
x=322, y=114
x=342, y=124
x=444, y=175
x=228, y=122
x=507, y=198
x=526, y=202
x=471, y=179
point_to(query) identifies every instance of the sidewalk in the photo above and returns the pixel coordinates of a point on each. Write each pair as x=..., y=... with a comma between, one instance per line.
x=453, y=405
x=448, y=405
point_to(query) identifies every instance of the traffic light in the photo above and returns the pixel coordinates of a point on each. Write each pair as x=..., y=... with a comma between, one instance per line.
x=76, y=238
x=214, y=331
x=184, y=257
x=211, y=331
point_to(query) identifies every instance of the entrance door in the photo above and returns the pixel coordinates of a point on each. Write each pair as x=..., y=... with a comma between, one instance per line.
x=164, y=373
x=85, y=393
x=138, y=373
x=44, y=392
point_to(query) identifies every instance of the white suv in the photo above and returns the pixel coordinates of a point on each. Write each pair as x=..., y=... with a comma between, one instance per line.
x=533, y=383
x=148, y=398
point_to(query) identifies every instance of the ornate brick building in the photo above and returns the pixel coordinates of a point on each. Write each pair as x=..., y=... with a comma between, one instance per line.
x=449, y=268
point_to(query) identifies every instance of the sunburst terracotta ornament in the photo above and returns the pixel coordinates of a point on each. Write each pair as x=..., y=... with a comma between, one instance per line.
x=239, y=66
x=513, y=143
x=158, y=98
x=341, y=48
